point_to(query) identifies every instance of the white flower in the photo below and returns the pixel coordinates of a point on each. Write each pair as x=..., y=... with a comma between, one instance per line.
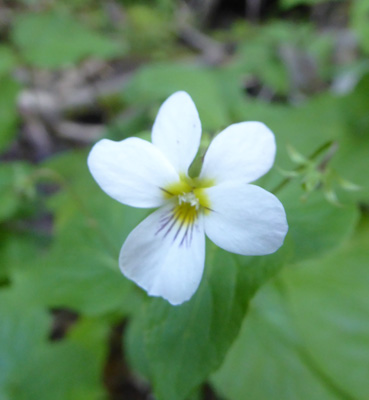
x=165, y=253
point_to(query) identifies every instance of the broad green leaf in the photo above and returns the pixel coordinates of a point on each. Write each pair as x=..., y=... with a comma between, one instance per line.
x=32, y=367
x=43, y=40
x=330, y=306
x=18, y=249
x=81, y=270
x=15, y=188
x=7, y=60
x=295, y=3
x=134, y=345
x=352, y=157
x=315, y=225
x=351, y=164
x=184, y=344
x=77, y=366
x=63, y=369
x=354, y=108
x=8, y=112
x=156, y=82
x=360, y=22
x=267, y=360
x=92, y=334
x=23, y=329
x=306, y=336
x=17, y=200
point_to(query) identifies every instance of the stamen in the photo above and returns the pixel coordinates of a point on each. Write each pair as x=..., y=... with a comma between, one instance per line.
x=189, y=198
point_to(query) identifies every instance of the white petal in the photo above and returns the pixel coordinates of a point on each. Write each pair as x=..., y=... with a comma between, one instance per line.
x=163, y=260
x=243, y=152
x=177, y=130
x=131, y=171
x=245, y=219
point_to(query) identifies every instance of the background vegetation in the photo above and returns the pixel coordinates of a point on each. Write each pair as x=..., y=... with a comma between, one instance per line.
x=293, y=325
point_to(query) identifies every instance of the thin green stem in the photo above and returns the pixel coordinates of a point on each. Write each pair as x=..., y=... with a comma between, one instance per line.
x=281, y=185
x=330, y=146
x=325, y=146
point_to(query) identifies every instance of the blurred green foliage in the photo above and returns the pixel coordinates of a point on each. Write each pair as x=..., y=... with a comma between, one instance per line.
x=304, y=334
x=8, y=112
x=55, y=40
x=294, y=3
x=156, y=82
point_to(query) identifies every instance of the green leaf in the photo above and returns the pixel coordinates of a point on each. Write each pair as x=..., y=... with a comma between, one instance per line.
x=8, y=111
x=315, y=225
x=43, y=40
x=352, y=157
x=330, y=305
x=359, y=21
x=156, y=82
x=265, y=361
x=32, y=367
x=92, y=334
x=63, y=369
x=81, y=270
x=134, y=345
x=17, y=249
x=21, y=334
x=295, y=3
x=7, y=60
x=306, y=336
x=15, y=188
x=184, y=344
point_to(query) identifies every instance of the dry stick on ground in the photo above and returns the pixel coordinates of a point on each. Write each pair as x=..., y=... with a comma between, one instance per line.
x=213, y=52
x=50, y=107
x=43, y=103
x=302, y=69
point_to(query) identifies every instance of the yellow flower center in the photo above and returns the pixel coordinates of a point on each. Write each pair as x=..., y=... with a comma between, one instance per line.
x=189, y=194
x=189, y=199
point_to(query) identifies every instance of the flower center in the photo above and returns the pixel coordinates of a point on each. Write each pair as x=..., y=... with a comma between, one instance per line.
x=191, y=192
x=189, y=200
